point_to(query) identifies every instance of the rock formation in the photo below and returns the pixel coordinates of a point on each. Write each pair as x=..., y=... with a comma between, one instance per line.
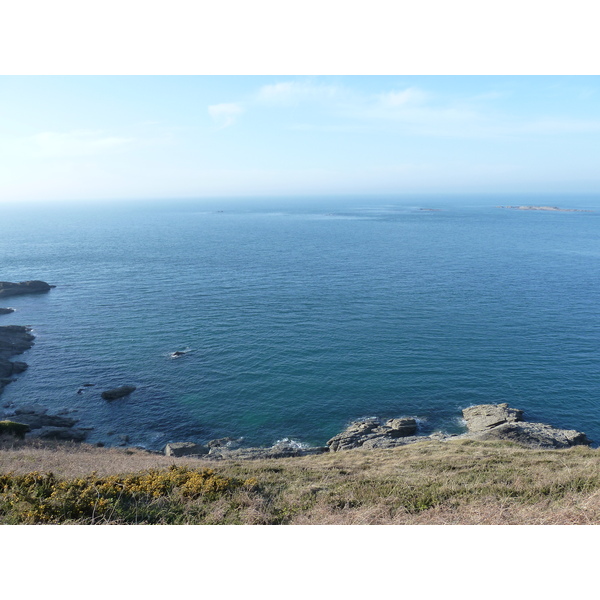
x=372, y=433
x=36, y=423
x=119, y=392
x=486, y=416
x=8, y=288
x=14, y=339
x=185, y=449
x=499, y=422
x=484, y=422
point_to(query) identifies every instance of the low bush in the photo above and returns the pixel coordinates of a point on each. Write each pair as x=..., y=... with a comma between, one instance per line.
x=13, y=428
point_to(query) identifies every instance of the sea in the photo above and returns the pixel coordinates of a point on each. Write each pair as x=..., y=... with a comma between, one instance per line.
x=296, y=316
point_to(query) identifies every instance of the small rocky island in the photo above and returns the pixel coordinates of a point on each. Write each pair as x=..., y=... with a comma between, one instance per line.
x=550, y=208
x=8, y=288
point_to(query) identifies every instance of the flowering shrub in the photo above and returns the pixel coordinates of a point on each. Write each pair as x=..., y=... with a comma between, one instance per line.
x=142, y=497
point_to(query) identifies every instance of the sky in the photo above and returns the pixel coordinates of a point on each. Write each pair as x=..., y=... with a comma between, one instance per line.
x=145, y=137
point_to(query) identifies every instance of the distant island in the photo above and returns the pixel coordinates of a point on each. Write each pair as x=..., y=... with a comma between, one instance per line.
x=553, y=208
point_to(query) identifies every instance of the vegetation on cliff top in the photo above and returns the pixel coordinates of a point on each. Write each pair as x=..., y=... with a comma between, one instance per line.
x=458, y=482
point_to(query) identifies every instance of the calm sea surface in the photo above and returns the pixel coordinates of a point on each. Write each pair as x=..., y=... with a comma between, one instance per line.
x=300, y=316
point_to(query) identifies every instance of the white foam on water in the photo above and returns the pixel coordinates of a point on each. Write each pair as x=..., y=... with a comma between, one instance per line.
x=291, y=443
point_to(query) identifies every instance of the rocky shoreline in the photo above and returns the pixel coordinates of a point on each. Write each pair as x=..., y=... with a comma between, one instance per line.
x=16, y=339
x=483, y=422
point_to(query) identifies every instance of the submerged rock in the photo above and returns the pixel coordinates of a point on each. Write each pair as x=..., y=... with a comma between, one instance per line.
x=66, y=434
x=31, y=409
x=119, y=392
x=6, y=311
x=39, y=420
x=8, y=288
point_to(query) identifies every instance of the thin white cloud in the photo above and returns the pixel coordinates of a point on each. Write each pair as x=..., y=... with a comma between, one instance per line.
x=411, y=110
x=52, y=144
x=294, y=92
x=408, y=97
x=225, y=114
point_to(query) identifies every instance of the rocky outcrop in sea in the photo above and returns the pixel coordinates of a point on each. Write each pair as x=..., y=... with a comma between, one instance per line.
x=484, y=422
x=500, y=422
x=42, y=425
x=8, y=288
x=119, y=392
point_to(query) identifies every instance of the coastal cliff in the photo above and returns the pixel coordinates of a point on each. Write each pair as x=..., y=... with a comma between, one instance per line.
x=16, y=339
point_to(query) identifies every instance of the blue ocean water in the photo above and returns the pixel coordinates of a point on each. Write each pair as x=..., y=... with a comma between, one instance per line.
x=301, y=315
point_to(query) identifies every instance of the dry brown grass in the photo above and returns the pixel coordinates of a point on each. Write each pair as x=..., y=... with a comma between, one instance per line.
x=433, y=483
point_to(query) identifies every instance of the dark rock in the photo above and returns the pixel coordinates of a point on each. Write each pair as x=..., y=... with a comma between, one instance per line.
x=185, y=449
x=119, y=392
x=485, y=416
x=88, y=384
x=24, y=287
x=6, y=311
x=67, y=434
x=6, y=368
x=37, y=421
x=31, y=409
x=14, y=339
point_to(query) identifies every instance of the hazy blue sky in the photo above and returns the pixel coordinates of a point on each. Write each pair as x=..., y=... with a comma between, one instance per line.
x=94, y=137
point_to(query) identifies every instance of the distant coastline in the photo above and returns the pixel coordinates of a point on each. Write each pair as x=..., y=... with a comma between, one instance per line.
x=548, y=208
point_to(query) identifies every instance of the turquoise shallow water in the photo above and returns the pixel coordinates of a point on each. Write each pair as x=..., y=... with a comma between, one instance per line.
x=301, y=315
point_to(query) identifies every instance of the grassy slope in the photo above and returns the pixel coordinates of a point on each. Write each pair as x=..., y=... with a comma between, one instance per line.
x=457, y=482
